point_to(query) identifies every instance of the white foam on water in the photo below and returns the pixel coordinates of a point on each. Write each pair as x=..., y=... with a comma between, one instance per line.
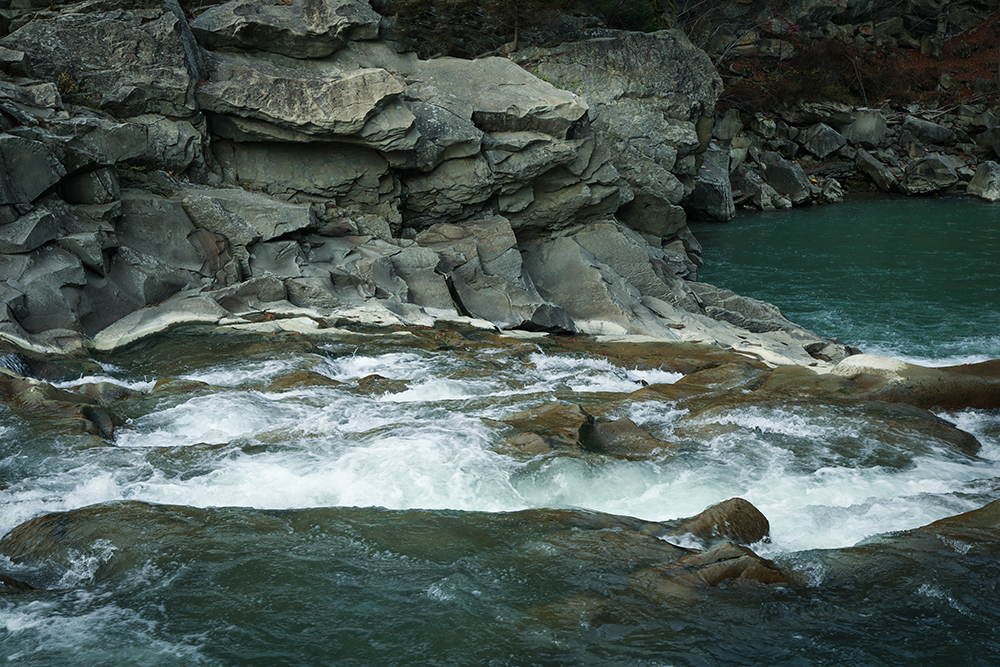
x=327, y=446
x=212, y=419
x=438, y=389
x=395, y=366
x=653, y=376
x=57, y=491
x=83, y=566
x=788, y=422
x=83, y=628
x=984, y=425
x=236, y=374
x=418, y=467
x=134, y=385
x=593, y=374
x=838, y=507
x=991, y=344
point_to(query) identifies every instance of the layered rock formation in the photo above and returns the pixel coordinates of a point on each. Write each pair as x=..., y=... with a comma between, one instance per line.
x=291, y=160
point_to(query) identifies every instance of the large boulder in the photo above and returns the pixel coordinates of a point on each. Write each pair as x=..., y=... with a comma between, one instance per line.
x=712, y=197
x=926, y=131
x=789, y=179
x=821, y=140
x=291, y=102
x=868, y=129
x=930, y=174
x=876, y=170
x=986, y=183
x=302, y=29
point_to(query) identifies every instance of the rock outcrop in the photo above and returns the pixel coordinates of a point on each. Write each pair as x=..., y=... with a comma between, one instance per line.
x=292, y=160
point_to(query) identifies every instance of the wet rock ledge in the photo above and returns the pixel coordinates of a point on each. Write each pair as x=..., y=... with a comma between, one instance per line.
x=293, y=169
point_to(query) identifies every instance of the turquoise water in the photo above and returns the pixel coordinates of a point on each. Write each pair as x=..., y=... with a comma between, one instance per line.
x=913, y=278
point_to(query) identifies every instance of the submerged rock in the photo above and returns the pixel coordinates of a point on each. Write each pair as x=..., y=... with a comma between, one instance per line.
x=949, y=388
x=622, y=437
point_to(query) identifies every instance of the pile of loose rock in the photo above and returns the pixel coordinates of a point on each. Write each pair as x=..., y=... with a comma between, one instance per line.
x=807, y=154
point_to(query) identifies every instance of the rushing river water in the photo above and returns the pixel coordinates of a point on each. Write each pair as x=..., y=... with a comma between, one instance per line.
x=276, y=505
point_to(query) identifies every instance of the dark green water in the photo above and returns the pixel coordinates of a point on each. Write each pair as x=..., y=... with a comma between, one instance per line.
x=914, y=278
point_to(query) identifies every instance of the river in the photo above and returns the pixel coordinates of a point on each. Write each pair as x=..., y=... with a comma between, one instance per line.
x=277, y=505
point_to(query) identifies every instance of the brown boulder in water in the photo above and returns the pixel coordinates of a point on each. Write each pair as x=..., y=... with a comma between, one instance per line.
x=735, y=520
x=551, y=427
x=623, y=438
x=79, y=411
x=724, y=565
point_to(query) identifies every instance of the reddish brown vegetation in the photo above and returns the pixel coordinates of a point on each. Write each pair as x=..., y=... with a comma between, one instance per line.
x=828, y=70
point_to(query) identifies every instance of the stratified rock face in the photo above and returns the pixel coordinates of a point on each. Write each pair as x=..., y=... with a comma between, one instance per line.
x=299, y=29
x=647, y=92
x=503, y=96
x=986, y=183
x=127, y=58
x=335, y=105
x=302, y=163
x=482, y=263
x=633, y=66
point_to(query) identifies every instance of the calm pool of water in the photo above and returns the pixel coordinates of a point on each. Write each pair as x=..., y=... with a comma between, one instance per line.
x=914, y=278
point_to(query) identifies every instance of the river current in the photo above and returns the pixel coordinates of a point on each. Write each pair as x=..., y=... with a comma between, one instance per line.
x=248, y=517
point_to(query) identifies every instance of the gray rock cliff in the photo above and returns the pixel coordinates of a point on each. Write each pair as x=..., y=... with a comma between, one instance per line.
x=292, y=161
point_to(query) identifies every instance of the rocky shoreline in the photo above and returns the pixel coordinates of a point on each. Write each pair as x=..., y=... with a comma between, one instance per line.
x=316, y=175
